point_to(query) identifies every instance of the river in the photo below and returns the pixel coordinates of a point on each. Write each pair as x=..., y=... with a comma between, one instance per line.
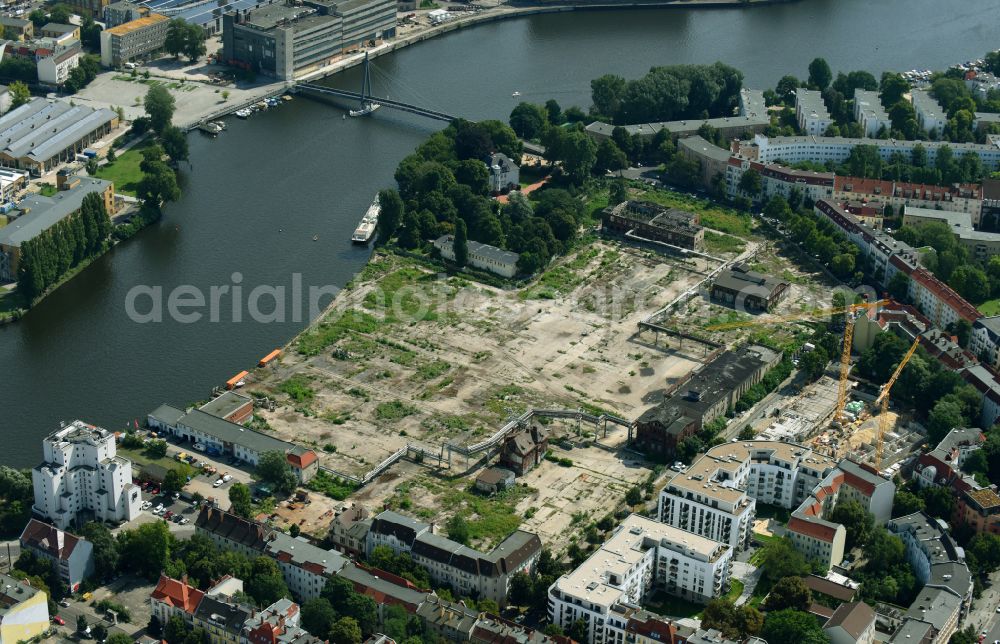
x=256, y=197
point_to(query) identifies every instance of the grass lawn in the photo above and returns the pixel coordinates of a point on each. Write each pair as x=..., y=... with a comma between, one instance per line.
x=765, y=511
x=990, y=307
x=10, y=302
x=140, y=458
x=735, y=590
x=718, y=243
x=125, y=172
x=669, y=606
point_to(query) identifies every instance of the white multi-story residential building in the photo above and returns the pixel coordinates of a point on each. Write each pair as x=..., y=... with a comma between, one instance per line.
x=811, y=113
x=930, y=115
x=716, y=497
x=304, y=566
x=868, y=111
x=640, y=555
x=835, y=149
x=82, y=478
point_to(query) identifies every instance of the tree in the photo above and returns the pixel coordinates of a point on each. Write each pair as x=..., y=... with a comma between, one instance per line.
x=813, y=363
x=19, y=93
x=938, y=502
x=750, y=182
x=81, y=623
x=176, y=630
x=160, y=107
x=899, y=287
x=789, y=592
x=735, y=622
x=790, y=625
x=174, y=143
x=634, y=496
x=785, y=89
x=156, y=449
x=971, y=283
x=617, y=192
x=184, y=38
x=99, y=632
x=520, y=589
x=579, y=154
x=266, y=583
x=119, y=638
x=858, y=522
x=779, y=559
x=173, y=482
x=944, y=417
x=391, y=214
x=578, y=631
x=461, y=244
x=345, y=631
x=820, y=74
x=905, y=503
x=158, y=183
x=458, y=529
x=609, y=157
x=239, y=500
x=146, y=550
x=528, y=120
x=274, y=469
x=984, y=551
x=893, y=87
x=318, y=616
x=607, y=92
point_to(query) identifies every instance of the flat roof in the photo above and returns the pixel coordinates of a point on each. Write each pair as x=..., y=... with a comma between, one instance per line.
x=626, y=548
x=13, y=593
x=138, y=23
x=270, y=16
x=225, y=404
x=811, y=101
x=704, y=148
x=703, y=476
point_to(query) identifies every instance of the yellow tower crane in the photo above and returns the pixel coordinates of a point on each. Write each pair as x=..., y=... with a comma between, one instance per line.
x=845, y=355
x=883, y=402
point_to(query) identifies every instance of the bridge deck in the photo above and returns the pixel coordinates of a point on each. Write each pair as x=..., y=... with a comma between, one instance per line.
x=384, y=102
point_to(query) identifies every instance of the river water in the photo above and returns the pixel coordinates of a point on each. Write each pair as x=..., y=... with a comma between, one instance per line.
x=256, y=197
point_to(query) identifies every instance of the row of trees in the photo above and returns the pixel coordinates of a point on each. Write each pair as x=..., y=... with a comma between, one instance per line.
x=667, y=93
x=951, y=262
x=49, y=255
x=818, y=237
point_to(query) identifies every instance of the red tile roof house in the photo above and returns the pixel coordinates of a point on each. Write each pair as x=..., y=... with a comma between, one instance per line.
x=174, y=597
x=304, y=463
x=72, y=556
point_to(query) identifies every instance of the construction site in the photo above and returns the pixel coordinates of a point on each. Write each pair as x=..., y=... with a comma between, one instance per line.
x=414, y=381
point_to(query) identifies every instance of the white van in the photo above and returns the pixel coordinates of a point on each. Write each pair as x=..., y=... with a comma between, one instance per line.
x=130, y=65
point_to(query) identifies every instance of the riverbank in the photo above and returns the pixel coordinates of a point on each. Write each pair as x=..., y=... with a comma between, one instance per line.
x=248, y=96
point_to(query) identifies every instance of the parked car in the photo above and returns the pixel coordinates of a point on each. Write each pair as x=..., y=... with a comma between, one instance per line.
x=226, y=478
x=200, y=447
x=184, y=521
x=58, y=620
x=168, y=514
x=217, y=483
x=64, y=603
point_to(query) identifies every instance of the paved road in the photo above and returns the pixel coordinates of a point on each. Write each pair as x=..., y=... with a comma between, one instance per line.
x=984, y=616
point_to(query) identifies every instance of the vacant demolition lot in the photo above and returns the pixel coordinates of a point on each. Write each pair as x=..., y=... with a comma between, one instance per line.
x=413, y=356
x=410, y=355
